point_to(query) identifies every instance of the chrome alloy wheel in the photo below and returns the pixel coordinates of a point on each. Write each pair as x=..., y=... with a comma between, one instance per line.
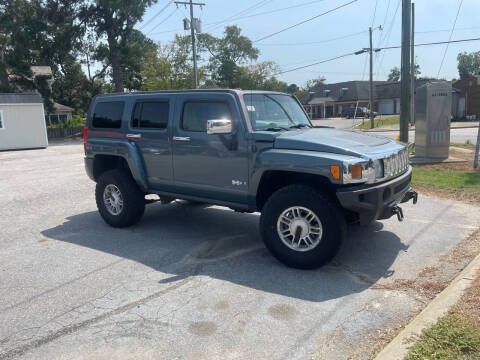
x=299, y=228
x=113, y=199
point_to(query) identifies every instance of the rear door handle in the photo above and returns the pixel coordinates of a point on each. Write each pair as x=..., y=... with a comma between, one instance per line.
x=134, y=136
x=181, y=138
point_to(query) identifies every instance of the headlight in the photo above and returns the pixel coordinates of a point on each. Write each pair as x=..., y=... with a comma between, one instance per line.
x=378, y=167
x=356, y=172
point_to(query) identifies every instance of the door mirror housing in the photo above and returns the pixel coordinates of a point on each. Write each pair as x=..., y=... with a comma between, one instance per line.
x=220, y=126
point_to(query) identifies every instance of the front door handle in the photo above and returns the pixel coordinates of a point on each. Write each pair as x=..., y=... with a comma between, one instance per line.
x=181, y=138
x=134, y=136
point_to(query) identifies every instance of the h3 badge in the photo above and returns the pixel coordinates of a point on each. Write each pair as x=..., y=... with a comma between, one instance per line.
x=238, y=183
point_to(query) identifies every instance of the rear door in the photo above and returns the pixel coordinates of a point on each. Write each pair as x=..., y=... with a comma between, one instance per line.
x=149, y=129
x=212, y=166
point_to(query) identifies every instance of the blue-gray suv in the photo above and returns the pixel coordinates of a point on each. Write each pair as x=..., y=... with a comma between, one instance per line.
x=247, y=150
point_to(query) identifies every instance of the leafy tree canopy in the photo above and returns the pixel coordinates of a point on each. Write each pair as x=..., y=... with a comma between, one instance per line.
x=468, y=64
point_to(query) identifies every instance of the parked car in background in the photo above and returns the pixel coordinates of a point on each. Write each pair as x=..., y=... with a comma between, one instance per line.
x=359, y=112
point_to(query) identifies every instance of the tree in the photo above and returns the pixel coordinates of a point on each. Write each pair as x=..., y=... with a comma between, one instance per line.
x=169, y=67
x=41, y=33
x=227, y=53
x=468, y=64
x=396, y=74
x=292, y=88
x=138, y=46
x=113, y=21
x=310, y=85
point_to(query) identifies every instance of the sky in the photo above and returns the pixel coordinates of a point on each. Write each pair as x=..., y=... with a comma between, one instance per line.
x=338, y=32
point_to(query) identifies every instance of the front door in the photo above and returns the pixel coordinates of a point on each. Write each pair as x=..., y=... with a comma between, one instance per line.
x=149, y=128
x=210, y=166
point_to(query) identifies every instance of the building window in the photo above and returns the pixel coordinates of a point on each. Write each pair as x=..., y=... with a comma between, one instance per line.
x=2, y=121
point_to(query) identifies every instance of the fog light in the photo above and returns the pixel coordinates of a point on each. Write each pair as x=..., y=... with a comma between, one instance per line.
x=356, y=171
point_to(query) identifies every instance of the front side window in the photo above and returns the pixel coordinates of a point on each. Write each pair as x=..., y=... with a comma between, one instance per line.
x=196, y=114
x=271, y=111
x=108, y=115
x=151, y=115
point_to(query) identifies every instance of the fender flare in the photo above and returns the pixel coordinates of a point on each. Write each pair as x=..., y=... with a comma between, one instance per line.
x=126, y=150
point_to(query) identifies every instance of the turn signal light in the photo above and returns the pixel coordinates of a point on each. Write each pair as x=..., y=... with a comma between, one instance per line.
x=335, y=171
x=356, y=171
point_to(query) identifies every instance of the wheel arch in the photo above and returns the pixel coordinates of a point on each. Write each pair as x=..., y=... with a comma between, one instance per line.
x=109, y=155
x=273, y=180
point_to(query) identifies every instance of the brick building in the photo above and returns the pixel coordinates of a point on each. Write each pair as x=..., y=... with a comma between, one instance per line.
x=469, y=96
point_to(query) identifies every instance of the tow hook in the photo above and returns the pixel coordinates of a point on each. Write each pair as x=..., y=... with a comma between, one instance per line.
x=397, y=210
x=410, y=194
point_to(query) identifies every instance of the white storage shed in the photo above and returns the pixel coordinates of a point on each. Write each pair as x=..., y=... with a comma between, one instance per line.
x=22, y=121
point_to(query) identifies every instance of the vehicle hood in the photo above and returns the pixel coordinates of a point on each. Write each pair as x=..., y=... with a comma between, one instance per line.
x=331, y=140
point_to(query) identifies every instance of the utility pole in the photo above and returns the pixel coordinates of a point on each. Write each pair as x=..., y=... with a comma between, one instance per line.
x=412, y=57
x=372, y=118
x=405, y=89
x=194, y=26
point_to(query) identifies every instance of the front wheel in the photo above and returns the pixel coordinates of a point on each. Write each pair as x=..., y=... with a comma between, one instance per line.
x=119, y=200
x=302, y=227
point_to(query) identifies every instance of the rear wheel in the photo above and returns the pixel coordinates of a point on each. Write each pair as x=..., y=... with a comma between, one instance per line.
x=119, y=200
x=302, y=227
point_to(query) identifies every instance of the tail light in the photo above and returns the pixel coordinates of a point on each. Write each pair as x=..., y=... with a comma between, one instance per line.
x=85, y=137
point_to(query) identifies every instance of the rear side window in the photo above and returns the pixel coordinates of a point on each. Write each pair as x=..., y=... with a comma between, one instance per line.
x=108, y=115
x=151, y=115
x=196, y=114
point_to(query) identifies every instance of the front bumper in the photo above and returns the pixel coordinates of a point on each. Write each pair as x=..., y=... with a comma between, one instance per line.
x=377, y=202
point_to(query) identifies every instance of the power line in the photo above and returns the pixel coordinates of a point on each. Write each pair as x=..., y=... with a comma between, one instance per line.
x=278, y=10
x=445, y=30
x=317, y=63
x=164, y=19
x=450, y=38
x=387, y=36
x=304, y=21
x=374, y=12
x=317, y=42
x=384, y=48
x=240, y=13
x=156, y=14
x=432, y=43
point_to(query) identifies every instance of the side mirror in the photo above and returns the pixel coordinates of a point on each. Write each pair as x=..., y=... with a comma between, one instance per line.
x=222, y=126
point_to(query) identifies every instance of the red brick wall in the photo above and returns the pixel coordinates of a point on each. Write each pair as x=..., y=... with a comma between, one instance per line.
x=470, y=90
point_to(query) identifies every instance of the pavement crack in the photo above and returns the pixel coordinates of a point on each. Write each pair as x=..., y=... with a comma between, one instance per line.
x=15, y=352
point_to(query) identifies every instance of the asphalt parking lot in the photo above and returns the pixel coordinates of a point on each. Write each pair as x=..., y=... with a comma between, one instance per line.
x=191, y=281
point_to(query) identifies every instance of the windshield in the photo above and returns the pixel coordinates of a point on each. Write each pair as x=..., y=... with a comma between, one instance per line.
x=274, y=112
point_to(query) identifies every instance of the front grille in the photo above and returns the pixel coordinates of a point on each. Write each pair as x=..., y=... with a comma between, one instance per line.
x=396, y=164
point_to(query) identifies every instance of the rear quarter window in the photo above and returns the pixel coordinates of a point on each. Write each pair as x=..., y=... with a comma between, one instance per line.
x=108, y=115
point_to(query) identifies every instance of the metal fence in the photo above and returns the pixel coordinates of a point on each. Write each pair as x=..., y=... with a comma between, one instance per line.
x=59, y=133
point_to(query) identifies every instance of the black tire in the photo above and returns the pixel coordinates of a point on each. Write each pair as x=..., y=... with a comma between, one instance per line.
x=323, y=206
x=133, y=198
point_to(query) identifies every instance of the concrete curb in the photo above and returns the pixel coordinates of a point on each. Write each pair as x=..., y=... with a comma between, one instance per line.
x=398, y=348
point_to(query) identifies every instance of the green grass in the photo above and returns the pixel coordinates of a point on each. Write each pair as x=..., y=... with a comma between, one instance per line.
x=450, y=180
x=449, y=339
x=386, y=121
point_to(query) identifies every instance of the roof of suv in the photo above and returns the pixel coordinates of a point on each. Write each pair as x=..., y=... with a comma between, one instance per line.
x=239, y=92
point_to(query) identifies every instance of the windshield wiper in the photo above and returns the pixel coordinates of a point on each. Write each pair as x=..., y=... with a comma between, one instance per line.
x=274, y=128
x=299, y=126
